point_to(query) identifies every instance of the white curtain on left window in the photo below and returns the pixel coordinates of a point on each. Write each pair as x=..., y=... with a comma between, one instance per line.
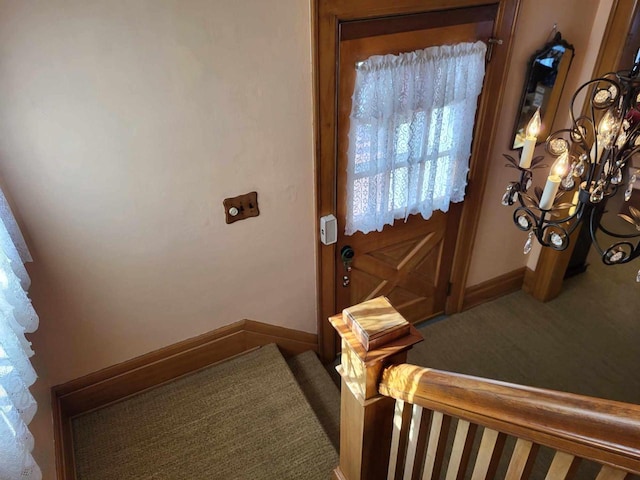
x=17, y=317
x=410, y=133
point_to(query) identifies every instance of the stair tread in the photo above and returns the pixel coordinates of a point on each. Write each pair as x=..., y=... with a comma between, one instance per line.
x=244, y=418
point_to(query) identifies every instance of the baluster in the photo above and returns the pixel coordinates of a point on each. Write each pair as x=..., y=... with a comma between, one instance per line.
x=522, y=459
x=489, y=454
x=563, y=467
x=418, y=432
x=462, y=443
x=438, y=434
x=610, y=473
x=401, y=421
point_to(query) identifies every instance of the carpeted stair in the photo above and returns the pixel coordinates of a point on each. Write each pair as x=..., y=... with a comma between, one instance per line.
x=247, y=418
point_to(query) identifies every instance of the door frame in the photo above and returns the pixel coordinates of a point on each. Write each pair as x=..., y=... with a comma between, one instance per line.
x=327, y=17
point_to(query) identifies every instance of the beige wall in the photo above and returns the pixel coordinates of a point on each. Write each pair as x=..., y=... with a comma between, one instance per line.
x=498, y=247
x=123, y=126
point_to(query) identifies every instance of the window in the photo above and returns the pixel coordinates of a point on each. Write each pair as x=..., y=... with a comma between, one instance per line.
x=411, y=127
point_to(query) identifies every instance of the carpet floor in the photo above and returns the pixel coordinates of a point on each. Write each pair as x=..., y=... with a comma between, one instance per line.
x=320, y=391
x=242, y=419
x=586, y=341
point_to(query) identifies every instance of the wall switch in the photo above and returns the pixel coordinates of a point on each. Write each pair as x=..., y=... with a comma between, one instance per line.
x=241, y=207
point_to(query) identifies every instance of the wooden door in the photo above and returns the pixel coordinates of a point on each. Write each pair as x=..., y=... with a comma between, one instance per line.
x=337, y=22
x=408, y=262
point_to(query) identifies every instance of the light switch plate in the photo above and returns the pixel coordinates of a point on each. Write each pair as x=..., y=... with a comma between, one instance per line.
x=241, y=207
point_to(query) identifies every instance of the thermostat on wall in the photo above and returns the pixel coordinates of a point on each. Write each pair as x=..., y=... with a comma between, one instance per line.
x=328, y=229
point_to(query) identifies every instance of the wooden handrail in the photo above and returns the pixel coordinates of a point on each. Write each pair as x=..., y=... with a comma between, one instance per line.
x=604, y=431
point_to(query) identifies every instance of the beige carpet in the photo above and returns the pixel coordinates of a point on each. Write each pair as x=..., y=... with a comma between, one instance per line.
x=586, y=341
x=322, y=394
x=243, y=419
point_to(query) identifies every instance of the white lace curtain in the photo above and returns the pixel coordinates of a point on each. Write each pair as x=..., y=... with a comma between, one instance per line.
x=17, y=317
x=410, y=133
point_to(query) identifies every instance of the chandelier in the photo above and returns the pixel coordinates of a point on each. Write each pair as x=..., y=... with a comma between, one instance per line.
x=593, y=158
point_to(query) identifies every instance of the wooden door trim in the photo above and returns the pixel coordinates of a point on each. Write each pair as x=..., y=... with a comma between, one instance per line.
x=545, y=282
x=355, y=29
x=328, y=16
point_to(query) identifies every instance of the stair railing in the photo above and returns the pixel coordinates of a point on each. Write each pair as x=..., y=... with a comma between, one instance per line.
x=400, y=421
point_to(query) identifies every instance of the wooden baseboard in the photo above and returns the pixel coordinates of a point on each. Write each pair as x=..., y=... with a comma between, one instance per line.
x=115, y=383
x=529, y=280
x=493, y=288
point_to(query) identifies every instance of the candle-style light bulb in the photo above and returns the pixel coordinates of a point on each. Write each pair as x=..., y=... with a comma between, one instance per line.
x=530, y=140
x=607, y=128
x=561, y=166
x=558, y=170
x=534, y=125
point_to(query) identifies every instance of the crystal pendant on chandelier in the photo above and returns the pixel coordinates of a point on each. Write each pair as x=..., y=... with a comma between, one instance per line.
x=628, y=192
x=597, y=195
x=505, y=199
x=617, y=178
x=528, y=244
x=615, y=256
x=556, y=239
x=578, y=170
x=523, y=221
x=568, y=183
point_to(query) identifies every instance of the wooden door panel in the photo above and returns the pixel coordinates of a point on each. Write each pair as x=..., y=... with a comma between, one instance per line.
x=406, y=272
x=395, y=234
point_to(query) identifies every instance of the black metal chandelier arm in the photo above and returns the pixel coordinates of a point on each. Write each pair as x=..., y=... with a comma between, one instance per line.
x=634, y=254
x=571, y=226
x=632, y=135
x=619, y=253
x=558, y=135
x=618, y=235
x=593, y=229
x=626, y=156
x=605, y=103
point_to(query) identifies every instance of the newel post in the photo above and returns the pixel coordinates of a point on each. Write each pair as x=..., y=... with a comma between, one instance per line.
x=374, y=335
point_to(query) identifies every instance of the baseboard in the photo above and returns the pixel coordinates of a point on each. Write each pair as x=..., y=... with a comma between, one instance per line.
x=115, y=383
x=529, y=280
x=493, y=288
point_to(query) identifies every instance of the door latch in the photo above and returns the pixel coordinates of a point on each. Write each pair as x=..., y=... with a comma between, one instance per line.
x=346, y=255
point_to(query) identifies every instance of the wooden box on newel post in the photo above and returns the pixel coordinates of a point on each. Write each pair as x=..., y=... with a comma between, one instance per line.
x=374, y=336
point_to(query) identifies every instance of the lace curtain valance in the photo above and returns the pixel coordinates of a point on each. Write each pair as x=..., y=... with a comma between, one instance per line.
x=410, y=134
x=17, y=317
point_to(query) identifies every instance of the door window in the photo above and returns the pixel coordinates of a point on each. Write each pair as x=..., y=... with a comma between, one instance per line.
x=411, y=126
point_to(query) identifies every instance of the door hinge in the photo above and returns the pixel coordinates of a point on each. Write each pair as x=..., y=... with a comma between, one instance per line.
x=449, y=288
x=492, y=41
